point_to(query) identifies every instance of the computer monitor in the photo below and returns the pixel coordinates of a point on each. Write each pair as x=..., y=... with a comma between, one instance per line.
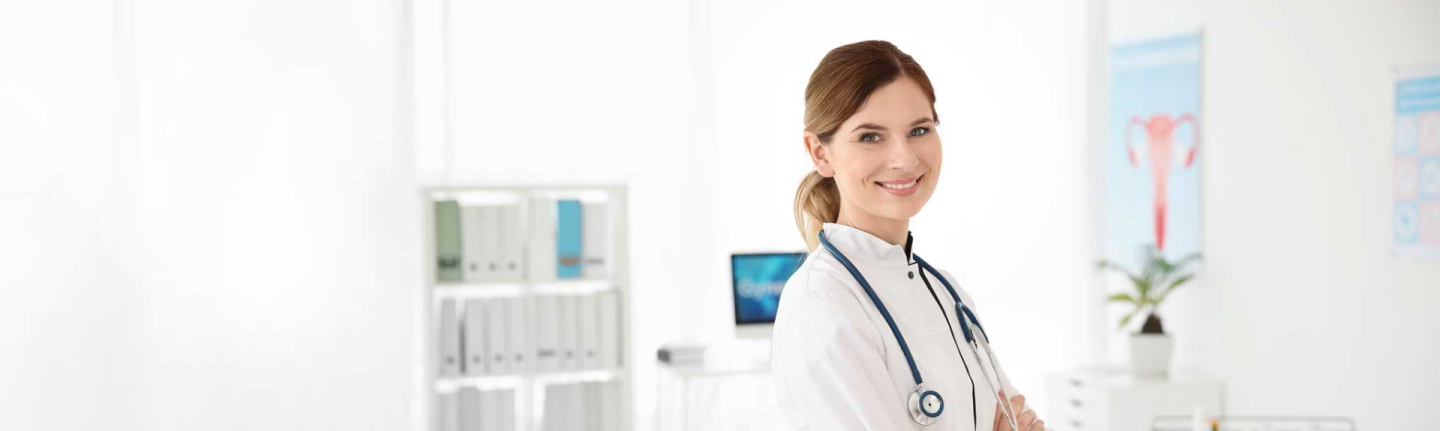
x=756, y=282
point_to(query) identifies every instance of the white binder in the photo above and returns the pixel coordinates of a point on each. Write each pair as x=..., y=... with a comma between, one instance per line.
x=490, y=410
x=521, y=349
x=589, y=329
x=446, y=412
x=497, y=320
x=512, y=244
x=569, y=339
x=468, y=400
x=507, y=410
x=608, y=406
x=591, y=400
x=449, y=342
x=594, y=246
x=547, y=334
x=540, y=260
x=480, y=243
x=610, y=349
x=477, y=351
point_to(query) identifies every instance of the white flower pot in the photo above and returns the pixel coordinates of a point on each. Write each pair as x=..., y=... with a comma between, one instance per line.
x=1150, y=355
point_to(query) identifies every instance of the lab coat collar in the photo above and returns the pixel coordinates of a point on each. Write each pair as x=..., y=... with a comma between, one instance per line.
x=862, y=247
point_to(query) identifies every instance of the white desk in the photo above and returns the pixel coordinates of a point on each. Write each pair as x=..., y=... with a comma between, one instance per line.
x=1113, y=400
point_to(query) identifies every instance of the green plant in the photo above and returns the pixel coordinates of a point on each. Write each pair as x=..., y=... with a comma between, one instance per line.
x=1156, y=280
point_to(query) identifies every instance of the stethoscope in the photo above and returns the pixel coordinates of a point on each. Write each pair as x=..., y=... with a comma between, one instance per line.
x=926, y=405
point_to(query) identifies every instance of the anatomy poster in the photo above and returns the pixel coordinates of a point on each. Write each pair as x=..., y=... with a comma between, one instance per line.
x=1153, y=155
x=1417, y=162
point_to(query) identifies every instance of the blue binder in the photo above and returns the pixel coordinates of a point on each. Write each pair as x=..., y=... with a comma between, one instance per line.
x=568, y=239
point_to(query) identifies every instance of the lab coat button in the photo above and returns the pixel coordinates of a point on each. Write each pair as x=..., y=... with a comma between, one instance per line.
x=912, y=275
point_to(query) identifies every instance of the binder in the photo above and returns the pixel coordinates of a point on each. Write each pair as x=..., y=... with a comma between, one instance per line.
x=589, y=329
x=448, y=254
x=480, y=232
x=469, y=408
x=607, y=406
x=541, y=260
x=490, y=410
x=511, y=244
x=497, y=318
x=446, y=413
x=591, y=402
x=569, y=342
x=547, y=336
x=449, y=343
x=477, y=351
x=568, y=239
x=595, y=242
x=611, y=351
x=507, y=410
x=521, y=354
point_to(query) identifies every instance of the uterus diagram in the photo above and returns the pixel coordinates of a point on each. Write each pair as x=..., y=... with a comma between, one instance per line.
x=1160, y=153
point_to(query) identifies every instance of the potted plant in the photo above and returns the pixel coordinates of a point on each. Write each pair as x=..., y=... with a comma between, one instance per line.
x=1150, y=349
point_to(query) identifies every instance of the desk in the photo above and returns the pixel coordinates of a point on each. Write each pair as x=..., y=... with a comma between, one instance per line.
x=1106, y=399
x=723, y=395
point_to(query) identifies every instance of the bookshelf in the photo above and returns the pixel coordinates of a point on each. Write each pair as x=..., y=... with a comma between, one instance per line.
x=541, y=311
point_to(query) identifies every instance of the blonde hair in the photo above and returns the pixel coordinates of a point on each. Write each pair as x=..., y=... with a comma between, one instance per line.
x=837, y=90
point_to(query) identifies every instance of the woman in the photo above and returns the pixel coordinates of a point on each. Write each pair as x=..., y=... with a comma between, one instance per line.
x=839, y=361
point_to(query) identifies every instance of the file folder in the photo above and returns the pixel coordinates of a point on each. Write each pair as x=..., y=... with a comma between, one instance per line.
x=569, y=342
x=512, y=244
x=521, y=350
x=541, y=258
x=448, y=258
x=477, y=352
x=469, y=408
x=449, y=342
x=611, y=352
x=507, y=410
x=568, y=239
x=497, y=318
x=595, y=242
x=490, y=410
x=446, y=412
x=547, y=336
x=589, y=329
x=480, y=231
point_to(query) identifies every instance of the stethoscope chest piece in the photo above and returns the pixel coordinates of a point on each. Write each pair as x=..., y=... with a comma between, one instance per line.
x=925, y=406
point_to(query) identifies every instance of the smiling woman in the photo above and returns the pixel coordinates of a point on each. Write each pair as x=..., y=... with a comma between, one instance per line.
x=870, y=133
x=888, y=159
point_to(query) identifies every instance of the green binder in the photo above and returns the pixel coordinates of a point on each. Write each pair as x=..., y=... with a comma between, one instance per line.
x=448, y=253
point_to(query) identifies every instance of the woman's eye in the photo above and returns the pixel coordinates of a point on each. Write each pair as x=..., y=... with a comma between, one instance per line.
x=920, y=131
x=870, y=137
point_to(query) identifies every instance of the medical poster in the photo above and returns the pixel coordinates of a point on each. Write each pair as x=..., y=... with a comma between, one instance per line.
x=1153, y=154
x=1417, y=162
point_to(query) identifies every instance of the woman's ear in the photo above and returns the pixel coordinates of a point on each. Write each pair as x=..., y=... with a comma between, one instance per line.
x=819, y=155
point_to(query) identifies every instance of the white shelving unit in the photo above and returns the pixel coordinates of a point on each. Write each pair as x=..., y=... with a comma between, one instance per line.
x=609, y=393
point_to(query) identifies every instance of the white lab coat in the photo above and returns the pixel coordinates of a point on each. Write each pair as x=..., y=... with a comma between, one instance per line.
x=837, y=366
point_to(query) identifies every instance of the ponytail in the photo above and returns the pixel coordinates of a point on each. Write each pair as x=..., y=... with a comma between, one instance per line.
x=817, y=202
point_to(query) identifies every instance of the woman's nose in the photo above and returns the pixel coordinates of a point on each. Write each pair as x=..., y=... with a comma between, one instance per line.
x=901, y=156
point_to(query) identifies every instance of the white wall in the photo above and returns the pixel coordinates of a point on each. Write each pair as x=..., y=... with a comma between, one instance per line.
x=1301, y=308
x=1009, y=218
x=209, y=217
x=575, y=93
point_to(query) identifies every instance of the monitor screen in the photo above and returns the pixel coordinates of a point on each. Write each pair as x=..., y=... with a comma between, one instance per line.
x=757, y=279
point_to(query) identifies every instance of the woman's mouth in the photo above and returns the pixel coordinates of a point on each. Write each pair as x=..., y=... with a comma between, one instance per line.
x=901, y=187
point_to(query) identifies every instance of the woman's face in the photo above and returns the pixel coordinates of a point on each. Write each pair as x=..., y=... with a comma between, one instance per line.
x=886, y=158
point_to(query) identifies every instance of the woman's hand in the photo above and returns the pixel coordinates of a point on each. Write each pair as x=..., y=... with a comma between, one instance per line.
x=1027, y=419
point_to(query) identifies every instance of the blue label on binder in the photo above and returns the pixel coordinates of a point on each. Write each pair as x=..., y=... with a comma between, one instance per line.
x=567, y=239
